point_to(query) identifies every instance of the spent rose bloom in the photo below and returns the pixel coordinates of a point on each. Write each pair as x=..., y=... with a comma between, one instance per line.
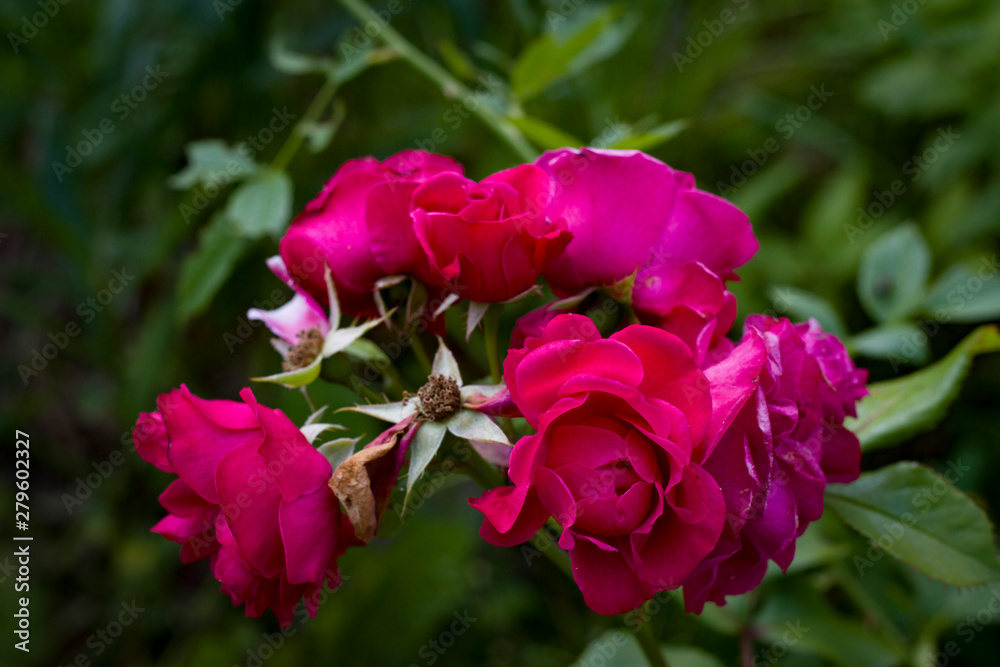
x=783, y=442
x=252, y=494
x=621, y=424
x=630, y=214
x=488, y=241
x=360, y=226
x=301, y=314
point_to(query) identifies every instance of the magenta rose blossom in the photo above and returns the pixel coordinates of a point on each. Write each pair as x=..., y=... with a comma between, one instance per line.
x=488, y=241
x=621, y=424
x=783, y=442
x=360, y=226
x=630, y=213
x=252, y=494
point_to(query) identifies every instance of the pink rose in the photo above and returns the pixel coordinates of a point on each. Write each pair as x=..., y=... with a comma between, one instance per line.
x=630, y=213
x=488, y=241
x=252, y=494
x=360, y=226
x=621, y=423
x=782, y=443
x=531, y=324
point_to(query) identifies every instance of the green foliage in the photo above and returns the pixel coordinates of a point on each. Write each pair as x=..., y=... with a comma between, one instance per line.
x=618, y=648
x=800, y=621
x=966, y=293
x=898, y=409
x=208, y=159
x=893, y=274
x=919, y=517
x=800, y=305
x=220, y=245
x=262, y=205
x=913, y=103
x=423, y=449
x=568, y=50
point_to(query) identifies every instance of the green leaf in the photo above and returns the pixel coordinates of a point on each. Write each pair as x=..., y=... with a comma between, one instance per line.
x=339, y=450
x=473, y=425
x=898, y=342
x=566, y=52
x=919, y=517
x=363, y=349
x=652, y=138
x=966, y=293
x=545, y=136
x=262, y=205
x=690, y=656
x=898, y=409
x=618, y=648
x=297, y=377
x=424, y=447
x=313, y=431
x=212, y=162
x=893, y=274
x=340, y=339
x=290, y=62
x=795, y=616
x=208, y=267
x=389, y=412
x=445, y=364
x=800, y=305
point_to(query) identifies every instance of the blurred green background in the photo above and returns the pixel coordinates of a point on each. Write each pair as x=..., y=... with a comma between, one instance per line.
x=840, y=127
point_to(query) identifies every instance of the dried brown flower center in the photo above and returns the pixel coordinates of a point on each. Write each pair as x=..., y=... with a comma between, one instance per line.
x=440, y=398
x=305, y=351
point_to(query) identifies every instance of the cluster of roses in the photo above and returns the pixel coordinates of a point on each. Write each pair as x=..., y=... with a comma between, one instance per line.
x=668, y=454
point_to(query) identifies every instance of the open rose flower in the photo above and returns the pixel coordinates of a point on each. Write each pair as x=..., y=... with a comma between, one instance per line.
x=252, y=494
x=360, y=226
x=488, y=241
x=621, y=424
x=632, y=214
x=781, y=446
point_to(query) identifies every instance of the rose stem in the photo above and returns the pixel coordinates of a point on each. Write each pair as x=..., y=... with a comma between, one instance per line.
x=491, y=325
x=450, y=86
x=488, y=476
x=305, y=392
x=310, y=117
x=650, y=645
x=369, y=393
x=392, y=373
x=420, y=352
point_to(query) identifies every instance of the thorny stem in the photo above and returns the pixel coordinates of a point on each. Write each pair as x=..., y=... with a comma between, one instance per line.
x=310, y=117
x=449, y=85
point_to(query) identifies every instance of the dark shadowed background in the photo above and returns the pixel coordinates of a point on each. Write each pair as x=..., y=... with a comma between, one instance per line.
x=832, y=124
